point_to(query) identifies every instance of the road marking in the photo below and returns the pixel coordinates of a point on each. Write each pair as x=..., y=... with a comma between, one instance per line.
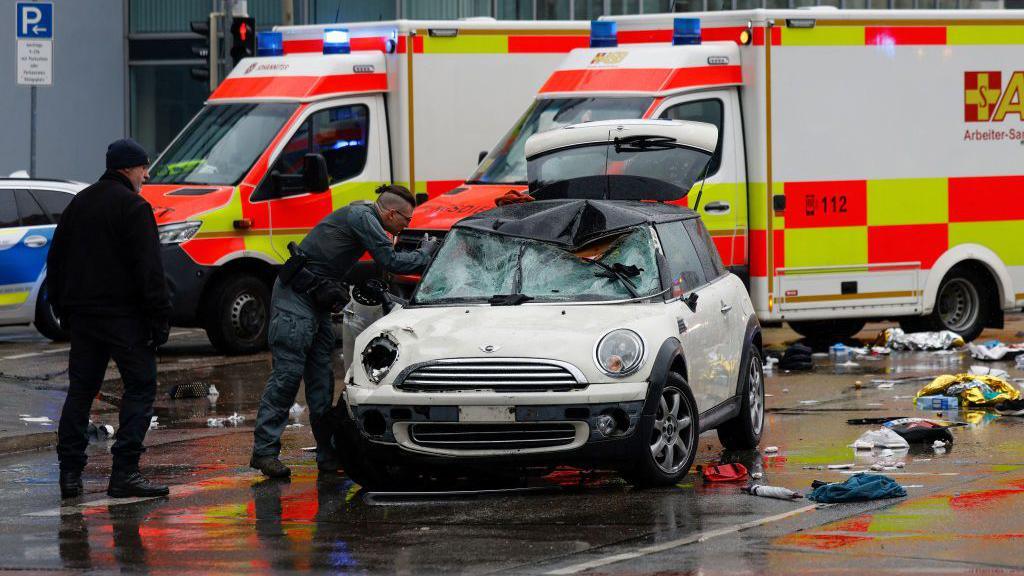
x=34, y=354
x=698, y=537
x=66, y=349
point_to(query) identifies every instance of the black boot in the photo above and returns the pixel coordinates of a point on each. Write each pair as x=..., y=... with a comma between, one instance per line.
x=270, y=466
x=132, y=484
x=70, y=483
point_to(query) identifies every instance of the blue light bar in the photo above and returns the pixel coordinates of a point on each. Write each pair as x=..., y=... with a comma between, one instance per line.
x=603, y=34
x=336, y=41
x=269, y=44
x=685, y=31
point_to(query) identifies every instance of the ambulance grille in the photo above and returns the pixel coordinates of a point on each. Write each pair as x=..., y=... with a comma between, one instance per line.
x=494, y=375
x=510, y=436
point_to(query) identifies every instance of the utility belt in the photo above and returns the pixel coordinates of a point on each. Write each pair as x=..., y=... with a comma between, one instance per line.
x=328, y=295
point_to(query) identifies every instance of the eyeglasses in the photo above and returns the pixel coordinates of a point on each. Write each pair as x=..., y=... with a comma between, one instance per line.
x=406, y=218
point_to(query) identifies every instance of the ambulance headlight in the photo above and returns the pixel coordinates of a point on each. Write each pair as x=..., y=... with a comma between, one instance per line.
x=379, y=356
x=619, y=353
x=178, y=232
x=336, y=41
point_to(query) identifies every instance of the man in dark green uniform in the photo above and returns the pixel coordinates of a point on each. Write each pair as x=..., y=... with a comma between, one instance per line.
x=308, y=289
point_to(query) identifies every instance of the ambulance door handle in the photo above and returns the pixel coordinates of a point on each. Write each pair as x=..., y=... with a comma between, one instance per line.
x=717, y=207
x=35, y=241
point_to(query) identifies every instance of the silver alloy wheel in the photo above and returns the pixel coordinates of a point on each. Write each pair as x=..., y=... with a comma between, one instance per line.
x=671, y=439
x=247, y=316
x=958, y=304
x=755, y=394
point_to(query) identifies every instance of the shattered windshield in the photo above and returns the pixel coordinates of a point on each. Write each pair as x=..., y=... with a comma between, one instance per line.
x=506, y=163
x=475, y=266
x=221, y=144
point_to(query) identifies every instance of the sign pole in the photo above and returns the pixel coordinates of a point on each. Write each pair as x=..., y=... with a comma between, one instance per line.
x=32, y=134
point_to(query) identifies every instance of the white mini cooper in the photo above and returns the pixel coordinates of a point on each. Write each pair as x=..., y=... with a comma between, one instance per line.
x=594, y=326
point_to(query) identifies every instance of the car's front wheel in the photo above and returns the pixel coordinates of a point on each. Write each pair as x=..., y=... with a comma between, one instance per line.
x=744, y=431
x=671, y=440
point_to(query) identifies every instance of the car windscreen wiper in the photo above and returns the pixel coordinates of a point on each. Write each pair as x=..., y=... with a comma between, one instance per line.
x=620, y=272
x=641, y=143
x=508, y=299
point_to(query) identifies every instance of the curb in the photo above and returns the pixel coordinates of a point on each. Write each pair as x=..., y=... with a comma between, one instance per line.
x=27, y=442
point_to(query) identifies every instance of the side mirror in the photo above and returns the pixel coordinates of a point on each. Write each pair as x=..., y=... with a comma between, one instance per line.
x=480, y=157
x=691, y=301
x=314, y=173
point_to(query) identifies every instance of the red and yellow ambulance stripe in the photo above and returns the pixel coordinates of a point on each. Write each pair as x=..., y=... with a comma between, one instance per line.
x=465, y=42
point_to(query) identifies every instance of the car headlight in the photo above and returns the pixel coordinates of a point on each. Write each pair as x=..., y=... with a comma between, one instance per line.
x=379, y=356
x=178, y=232
x=619, y=353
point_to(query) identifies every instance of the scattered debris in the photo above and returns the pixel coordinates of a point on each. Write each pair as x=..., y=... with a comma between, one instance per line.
x=858, y=488
x=777, y=492
x=994, y=350
x=896, y=339
x=771, y=450
x=920, y=430
x=973, y=389
x=725, y=472
x=1011, y=408
x=797, y=357
x=235, y=419
x=881, y=438
x=295, y=410
x=886, y=385
x=213, y=393
x=294, y=425
x=153, y=424
x=839, y=466
x=809, y=402
x=938, y=402
x=757, y=475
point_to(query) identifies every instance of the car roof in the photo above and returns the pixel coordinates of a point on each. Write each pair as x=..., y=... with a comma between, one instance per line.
x=572, y=223
x=71, y=186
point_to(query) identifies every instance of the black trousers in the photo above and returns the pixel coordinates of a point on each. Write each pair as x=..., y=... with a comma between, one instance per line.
x=94, y=341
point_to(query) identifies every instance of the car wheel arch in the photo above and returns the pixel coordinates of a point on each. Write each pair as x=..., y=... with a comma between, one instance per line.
x=670, y=359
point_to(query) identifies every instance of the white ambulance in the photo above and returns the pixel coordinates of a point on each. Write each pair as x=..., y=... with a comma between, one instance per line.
x=321, y=118
x=869, y=162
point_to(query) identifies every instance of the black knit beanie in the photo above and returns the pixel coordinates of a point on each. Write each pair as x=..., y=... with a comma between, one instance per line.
x=126, y=153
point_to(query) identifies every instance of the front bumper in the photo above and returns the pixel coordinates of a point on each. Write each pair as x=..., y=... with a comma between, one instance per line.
x=482, y=428
x=186, y=281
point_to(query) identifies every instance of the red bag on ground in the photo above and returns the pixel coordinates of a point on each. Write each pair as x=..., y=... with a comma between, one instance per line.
x=725, y=473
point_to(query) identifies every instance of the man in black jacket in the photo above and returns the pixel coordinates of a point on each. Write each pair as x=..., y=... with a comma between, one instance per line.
x=106, y=283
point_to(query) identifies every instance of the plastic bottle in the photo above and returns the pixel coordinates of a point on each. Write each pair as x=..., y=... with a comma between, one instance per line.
x=777, y=492
x=839, y=353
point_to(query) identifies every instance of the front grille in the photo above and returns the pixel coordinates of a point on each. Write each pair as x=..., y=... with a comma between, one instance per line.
x=495, y=375
x=410, y=239
x=517, y=436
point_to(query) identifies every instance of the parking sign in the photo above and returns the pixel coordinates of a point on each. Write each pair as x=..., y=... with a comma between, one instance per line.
x=35, y=20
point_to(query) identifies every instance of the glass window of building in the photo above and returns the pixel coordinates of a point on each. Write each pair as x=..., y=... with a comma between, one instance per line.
x=553, y=10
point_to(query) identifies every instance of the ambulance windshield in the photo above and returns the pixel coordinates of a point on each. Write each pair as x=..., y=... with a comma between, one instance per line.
x=221, y=144
x=506, y=164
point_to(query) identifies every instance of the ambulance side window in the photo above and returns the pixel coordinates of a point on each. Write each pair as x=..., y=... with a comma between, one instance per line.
x=338, y=134
x=685, y=270
x=709, y=111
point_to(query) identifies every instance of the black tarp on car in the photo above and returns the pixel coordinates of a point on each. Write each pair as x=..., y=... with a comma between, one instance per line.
x=572, y=223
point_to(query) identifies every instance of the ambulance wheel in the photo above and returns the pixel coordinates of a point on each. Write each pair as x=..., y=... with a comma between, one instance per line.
x=238, y=314
x=828, y=329
x=670, y=443
x=744, y=431
x=46, y=319
x=962, y=304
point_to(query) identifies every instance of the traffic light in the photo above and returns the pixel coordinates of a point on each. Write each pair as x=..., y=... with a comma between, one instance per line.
x=243, y=38
x=202, y=49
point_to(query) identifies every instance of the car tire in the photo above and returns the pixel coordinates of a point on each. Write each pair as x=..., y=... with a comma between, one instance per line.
x=828, y=329
x=670, y=442
x=238, y=315
x=744, y=431
x=961, y=305
x=46, y=320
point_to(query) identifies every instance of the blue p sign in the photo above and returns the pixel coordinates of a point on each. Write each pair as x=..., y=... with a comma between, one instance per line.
x=35, y=20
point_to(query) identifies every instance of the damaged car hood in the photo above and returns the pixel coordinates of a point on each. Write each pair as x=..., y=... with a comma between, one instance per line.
x=433, y=333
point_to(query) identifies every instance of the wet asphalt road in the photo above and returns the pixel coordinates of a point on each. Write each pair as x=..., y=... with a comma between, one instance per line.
x=962, y=513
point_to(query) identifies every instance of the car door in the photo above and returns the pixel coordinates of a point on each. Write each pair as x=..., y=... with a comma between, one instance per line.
x=729, y=312
x=699, y=325
x=346, y=135
x=25, y=234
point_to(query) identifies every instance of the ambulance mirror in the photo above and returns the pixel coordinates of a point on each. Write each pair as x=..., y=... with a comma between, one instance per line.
x=314, y=173
x=480, y=157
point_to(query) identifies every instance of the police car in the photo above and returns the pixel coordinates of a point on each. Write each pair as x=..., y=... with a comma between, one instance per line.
x=29, y=212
